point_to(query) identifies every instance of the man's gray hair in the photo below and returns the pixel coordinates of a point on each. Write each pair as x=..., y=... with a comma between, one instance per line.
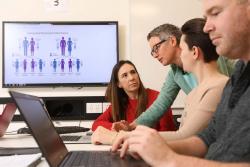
x=164, y=31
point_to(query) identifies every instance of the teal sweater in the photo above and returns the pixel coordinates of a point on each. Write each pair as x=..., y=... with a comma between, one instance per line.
x=176, y=80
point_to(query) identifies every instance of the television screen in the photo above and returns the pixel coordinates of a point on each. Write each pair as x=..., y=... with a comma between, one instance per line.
x=59, y=53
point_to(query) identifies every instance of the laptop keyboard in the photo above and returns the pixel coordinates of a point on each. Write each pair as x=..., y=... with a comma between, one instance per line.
x=70, y=138
x=60, y=130
x=86, y=159
x=100, y=159
x=70, y=129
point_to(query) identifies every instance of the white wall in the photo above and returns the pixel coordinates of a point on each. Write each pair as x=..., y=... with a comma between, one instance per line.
x=136, y=18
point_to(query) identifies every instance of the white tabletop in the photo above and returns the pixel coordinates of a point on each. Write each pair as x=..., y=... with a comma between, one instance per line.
x=11, y=139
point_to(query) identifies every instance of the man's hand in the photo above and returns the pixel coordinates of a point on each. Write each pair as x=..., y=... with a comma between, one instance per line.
x=146, y=143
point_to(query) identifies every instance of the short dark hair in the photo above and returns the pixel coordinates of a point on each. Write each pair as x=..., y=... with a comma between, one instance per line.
x=164, y=31
x=195, y=36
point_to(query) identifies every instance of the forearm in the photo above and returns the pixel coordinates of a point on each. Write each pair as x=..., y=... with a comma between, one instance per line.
x=188, y=161
x=167, y=95
x=192, y=146
x=104, y=124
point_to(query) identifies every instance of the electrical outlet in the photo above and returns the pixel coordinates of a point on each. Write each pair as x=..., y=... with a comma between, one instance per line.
x=105, y=105
x=93, y=108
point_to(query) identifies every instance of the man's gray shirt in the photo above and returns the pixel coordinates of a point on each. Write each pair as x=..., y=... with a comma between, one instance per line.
x=228, y=133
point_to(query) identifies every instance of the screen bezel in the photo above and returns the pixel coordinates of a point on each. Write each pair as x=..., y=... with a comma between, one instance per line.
x=38, y=85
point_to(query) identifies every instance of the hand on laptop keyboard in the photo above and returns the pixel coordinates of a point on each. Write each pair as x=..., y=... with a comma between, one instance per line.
x=60, y=130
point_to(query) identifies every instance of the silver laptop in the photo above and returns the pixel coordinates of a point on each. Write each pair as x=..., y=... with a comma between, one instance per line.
x=76, y=139
x=52, y=146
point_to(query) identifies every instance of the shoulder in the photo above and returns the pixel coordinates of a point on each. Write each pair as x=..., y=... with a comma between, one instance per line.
x=152, y=92
x=220, y=82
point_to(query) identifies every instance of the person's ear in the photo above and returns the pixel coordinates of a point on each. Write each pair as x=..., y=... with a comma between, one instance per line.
x=196, y=52
x=173, y=40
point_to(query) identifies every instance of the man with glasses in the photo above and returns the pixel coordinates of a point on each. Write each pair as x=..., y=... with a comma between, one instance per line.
x=164, y=41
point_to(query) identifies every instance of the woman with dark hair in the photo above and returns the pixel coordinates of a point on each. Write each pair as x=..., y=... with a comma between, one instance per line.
x=199, y=57
x=128, y=99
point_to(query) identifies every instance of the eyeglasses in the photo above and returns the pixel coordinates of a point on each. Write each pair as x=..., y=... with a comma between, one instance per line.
x=156, y=47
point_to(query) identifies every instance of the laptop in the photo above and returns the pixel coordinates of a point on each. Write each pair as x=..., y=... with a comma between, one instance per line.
x=76, y=139
x=6, y=117
x=52, y=146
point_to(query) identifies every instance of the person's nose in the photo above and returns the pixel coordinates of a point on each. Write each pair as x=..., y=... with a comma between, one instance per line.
x=131, y=77
x=155, y=55
x=208, y=27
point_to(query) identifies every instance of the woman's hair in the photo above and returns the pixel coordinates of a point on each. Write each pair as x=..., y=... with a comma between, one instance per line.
x=195, y=36
x=118, y=97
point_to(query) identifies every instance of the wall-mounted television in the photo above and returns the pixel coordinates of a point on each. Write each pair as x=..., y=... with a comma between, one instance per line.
x=42, y=54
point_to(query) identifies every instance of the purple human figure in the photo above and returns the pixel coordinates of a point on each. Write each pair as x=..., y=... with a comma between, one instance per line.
x=24, y=65
x=63, y=45
x=32, y=46
x=62, y=65
x=32, y=63
x=70, y=65
x=25, y=46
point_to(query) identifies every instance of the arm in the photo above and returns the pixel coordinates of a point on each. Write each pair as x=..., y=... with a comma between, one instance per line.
x=148, y=144
x=103, y=136
x=187, y=161
x=199, y=110
x=166, y=97
x=166, y=123
x=194, y=124
x=105, y=120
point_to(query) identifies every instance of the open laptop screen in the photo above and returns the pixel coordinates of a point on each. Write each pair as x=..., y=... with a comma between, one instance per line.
x=41, y=126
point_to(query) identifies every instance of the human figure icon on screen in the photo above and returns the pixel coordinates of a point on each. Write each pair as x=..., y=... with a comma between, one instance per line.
x=33, y=64
x=41, y=64
x=62, y=63
x=25, y=46
x=24, y=65
x=62, y=46
x=32, y=47
x=16, y=65
x=70, y=63
x=54, y=65
x=78, y=64
x=69, y=44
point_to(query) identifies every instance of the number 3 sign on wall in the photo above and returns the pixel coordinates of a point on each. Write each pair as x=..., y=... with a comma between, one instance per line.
x=56, y=5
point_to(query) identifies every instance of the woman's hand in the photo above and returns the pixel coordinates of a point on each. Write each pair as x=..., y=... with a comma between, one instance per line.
x=121, y=125
x=103, y=136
